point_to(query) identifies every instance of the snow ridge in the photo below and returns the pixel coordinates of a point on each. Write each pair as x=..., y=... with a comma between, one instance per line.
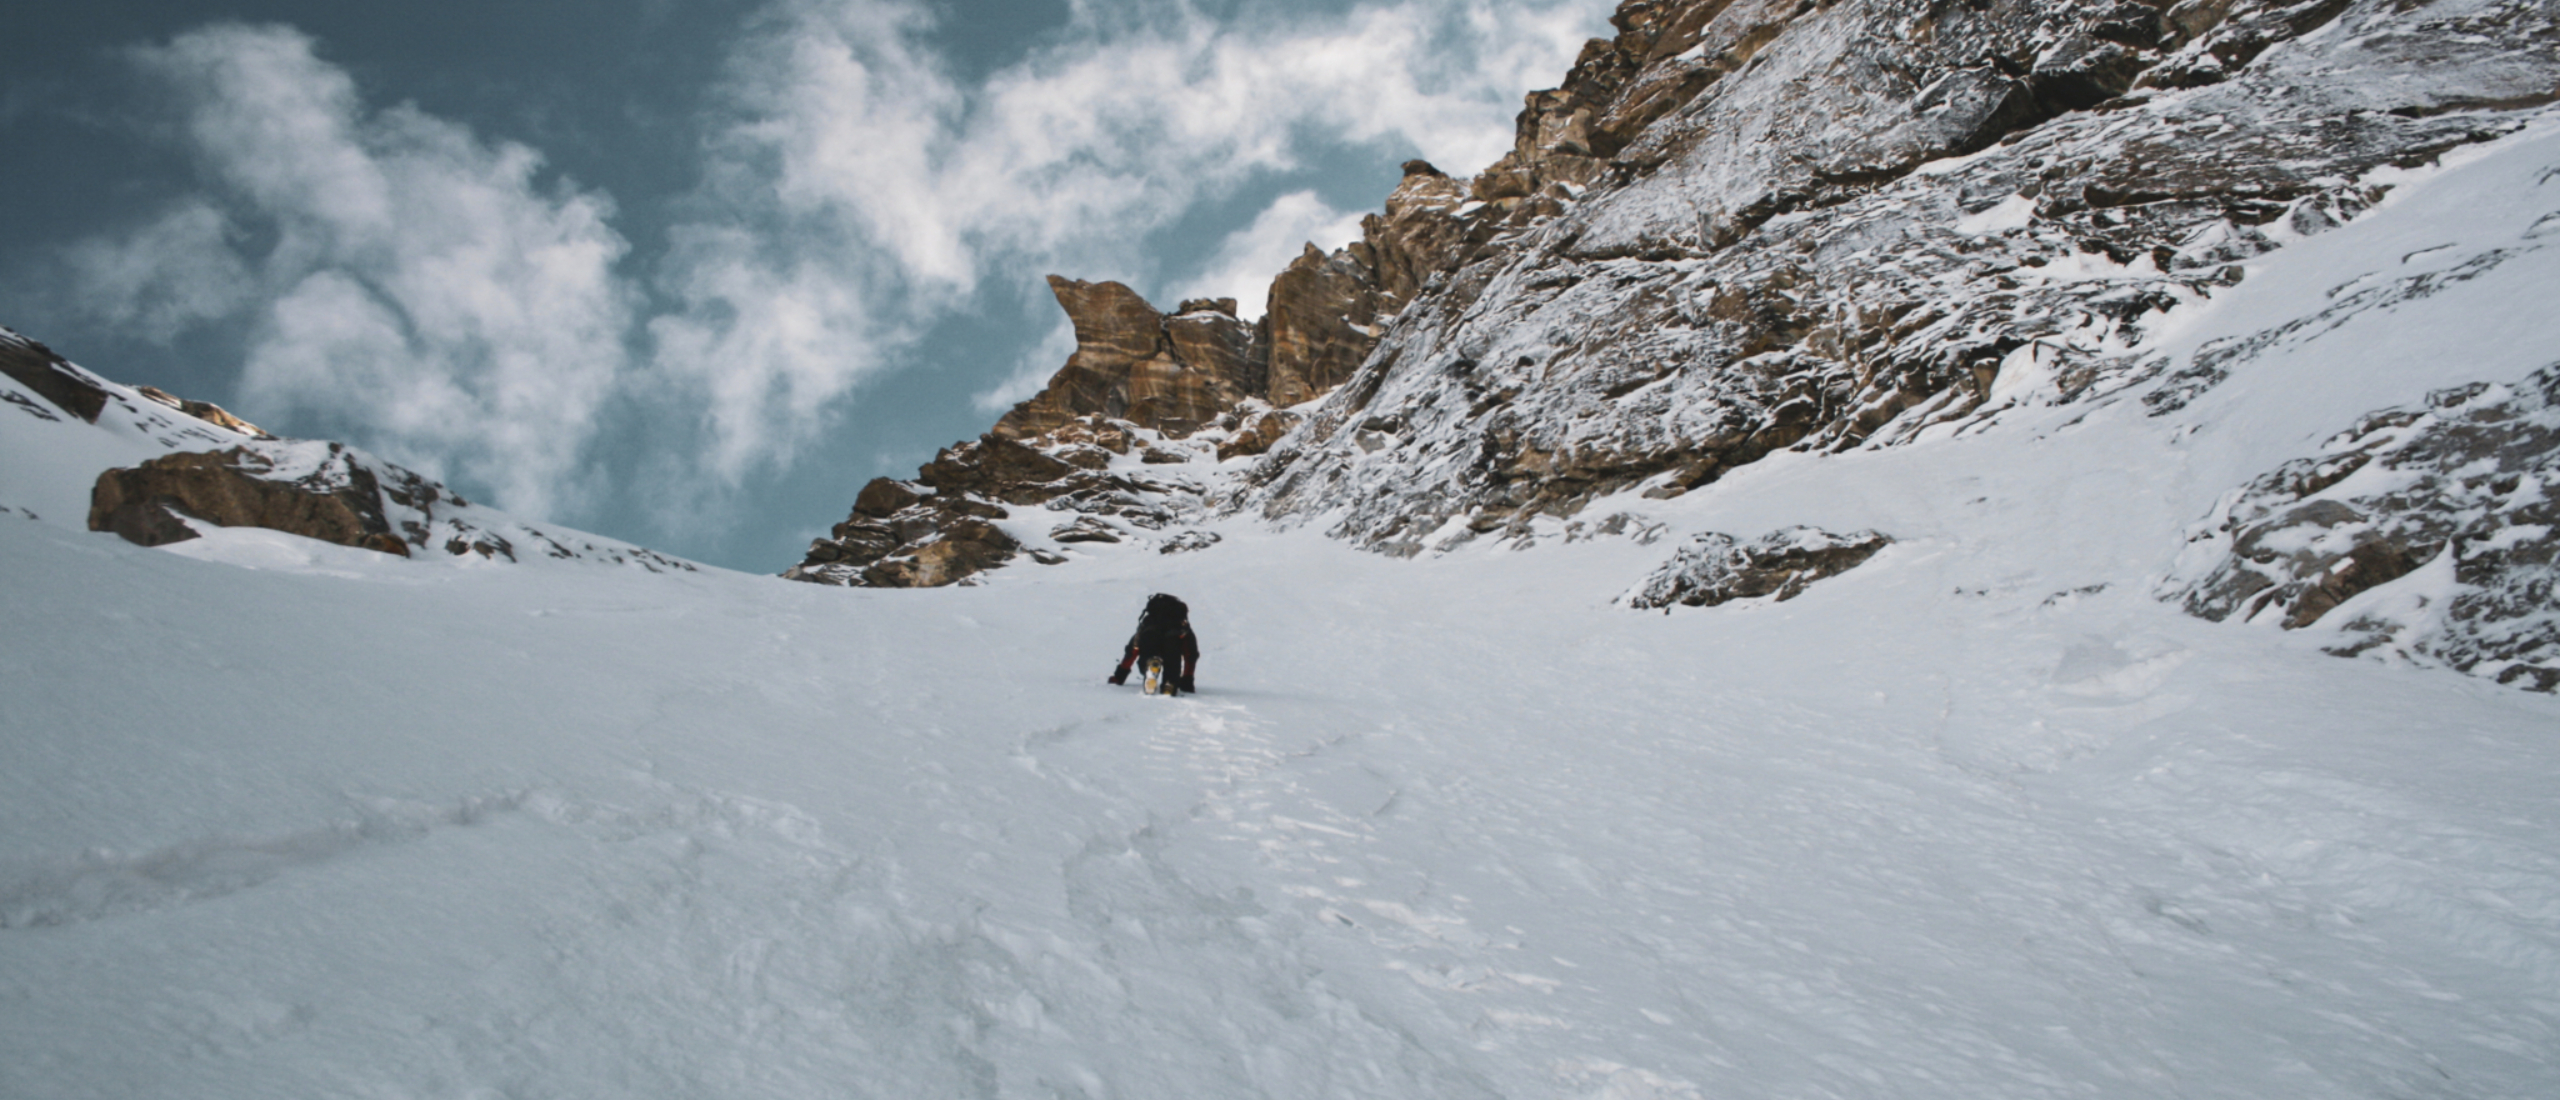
x=57, y=465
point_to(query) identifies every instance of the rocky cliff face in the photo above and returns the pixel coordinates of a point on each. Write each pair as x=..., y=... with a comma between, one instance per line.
x=1747, y=226
x=1146, y=390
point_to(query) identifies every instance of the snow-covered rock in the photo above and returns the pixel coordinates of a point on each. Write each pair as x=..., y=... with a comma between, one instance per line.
x=2454, y=503
x=1874, y=218
x=94, y=454
x=1717, y=568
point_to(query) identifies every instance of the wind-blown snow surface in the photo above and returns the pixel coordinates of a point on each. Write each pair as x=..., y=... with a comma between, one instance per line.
x=1978, y=818
x=1936, y=828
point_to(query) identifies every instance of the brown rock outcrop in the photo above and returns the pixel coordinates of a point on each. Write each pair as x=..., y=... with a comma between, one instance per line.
x=958, y=549
x=1322, y=323
x=1176, y=372
x=340, y=502
x=205, y=411
x=942, y=527
x=52, y=377
x=1256, y=431
x=1715, y=241
x=1138, y=370
x=83, y=395
x=1170, y=373
x=883, y=497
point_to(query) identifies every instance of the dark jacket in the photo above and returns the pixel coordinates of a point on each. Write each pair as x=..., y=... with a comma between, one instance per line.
x=1180, y=644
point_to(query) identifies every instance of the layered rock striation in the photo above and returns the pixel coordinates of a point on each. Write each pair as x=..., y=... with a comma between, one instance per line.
x=1745, y=227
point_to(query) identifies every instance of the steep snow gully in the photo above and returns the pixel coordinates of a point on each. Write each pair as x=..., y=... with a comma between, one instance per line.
x=1950, y=825
x=1982, y=816
x=1988, y=814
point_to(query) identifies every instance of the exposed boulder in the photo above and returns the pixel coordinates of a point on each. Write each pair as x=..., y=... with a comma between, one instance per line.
x=1716, y=568
x=884, y=496
x=2460, y=489
x=1085, y=529
x=1188, y=541
x=333, y=499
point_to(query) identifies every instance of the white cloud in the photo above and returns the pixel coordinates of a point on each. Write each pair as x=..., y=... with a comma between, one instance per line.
x=866, y=174
x=1247, y=260
x=432, y=293
x=1031, y=372
x=765, y=343
x=423, y=287
x=165, y=277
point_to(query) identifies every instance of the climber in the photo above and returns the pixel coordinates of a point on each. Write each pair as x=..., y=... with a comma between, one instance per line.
x=1165, y=643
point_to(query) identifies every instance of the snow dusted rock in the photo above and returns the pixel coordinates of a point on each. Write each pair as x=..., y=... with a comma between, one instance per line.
x=1746, y=226
x=1188, y=541
x=333, y=493
x=159, y=469
x=2429, y=530
x=1099, y=476
x=205, y=411
x=1866, y=220
x=1258, y=428
x=51, y=377
x=1085, y=529
x=1199, y=373
x=1716, y=568
x=85, y=395
x=310, y=489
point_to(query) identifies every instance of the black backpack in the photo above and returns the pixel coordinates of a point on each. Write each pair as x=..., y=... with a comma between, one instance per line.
x=1162, y=623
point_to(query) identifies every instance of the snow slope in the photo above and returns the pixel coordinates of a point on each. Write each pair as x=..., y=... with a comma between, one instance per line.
x=50, y=459
x=1981, y=817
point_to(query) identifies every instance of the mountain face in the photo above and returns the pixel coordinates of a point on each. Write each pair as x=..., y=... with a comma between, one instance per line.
x=1745, y=228
x=158, y=469
x=1862, y=216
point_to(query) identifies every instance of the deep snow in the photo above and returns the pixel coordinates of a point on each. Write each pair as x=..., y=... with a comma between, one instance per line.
x=1981, y=817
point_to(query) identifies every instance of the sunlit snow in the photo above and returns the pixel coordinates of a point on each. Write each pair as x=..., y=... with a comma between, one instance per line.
x=1981, y=817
